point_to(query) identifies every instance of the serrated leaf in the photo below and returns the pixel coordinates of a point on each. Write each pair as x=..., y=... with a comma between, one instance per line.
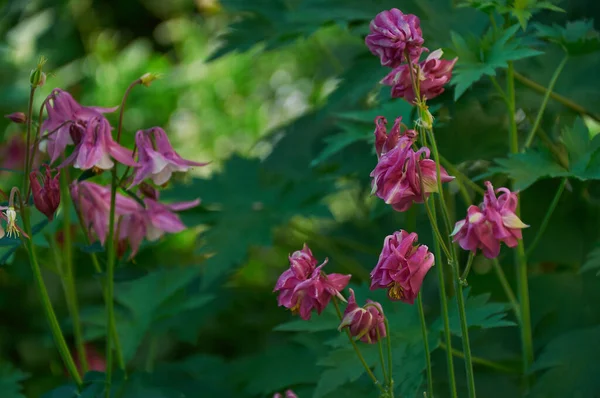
x=570, y=362
x=480, y=313
x=10, y=381
x=527, y=168
x=482, y=57
x=576, y=38
x=344, y=367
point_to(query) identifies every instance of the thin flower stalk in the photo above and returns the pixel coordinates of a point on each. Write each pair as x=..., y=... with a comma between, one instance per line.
x=426, y=345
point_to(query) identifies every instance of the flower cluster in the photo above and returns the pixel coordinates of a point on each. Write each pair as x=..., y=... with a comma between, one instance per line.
x=402, y=176
x=397, y=40
x=365, y=323
x=137, y=216
x=492, y=222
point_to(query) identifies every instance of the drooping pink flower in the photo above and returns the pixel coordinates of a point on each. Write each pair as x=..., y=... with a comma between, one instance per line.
x=96, y=148
x=288, y=394
x=66, y=117
x=494, y=221
x=305, y=287
x=46, y=198
x=402, y=266
x=365, y=323
x=396, y=177
x=93, y=202
x=157, y=158
x=432, y=74
x=393, y=34
x=152, y=222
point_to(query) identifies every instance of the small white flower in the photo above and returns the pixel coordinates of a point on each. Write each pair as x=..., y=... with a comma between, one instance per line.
x=11, y=222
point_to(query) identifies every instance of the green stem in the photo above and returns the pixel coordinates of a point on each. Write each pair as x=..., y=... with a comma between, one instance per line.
x=57, y=334
x=381, y=358
x=467, y=268
x=28, y=143
x=521, y=259
x=357, y=350
x=151, y=354
x=557, y=97
x=506, y=287
x=426, y=345
x=445, y=317
x=477, y=360
x=547, y=217
x=389, y=351
x=111, y=252
x=499, y=89
x=98, y=269
x=513, y=138
x=464, y=328
x=540, y=113
x=69, y=274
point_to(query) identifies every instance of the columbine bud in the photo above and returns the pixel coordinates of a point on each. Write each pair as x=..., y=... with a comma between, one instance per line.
x=148, y=78
x=37, y=78
x=17, y=117
x=366, y=323
x=47, y=197
x=149, y=191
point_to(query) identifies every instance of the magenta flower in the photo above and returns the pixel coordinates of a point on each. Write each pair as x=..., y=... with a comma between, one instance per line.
x=396, y=177
x=494, y=221
x=93, y=202
x=288, y=394
x=364, y=322
x=304, y=287
x=67, y=117
x=46, y=198
x=402, y=266
x=152, y=222
x=432, y=74
x=157, y=158
x=96, y=148
x=393, y=34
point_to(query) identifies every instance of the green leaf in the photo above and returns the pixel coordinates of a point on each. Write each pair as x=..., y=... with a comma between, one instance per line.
x=480, y=313
x=246, y=202
x=482, y=57
x=276, y=368
x=344, y=367
x=328, y=320
x=570, y=362
x=10, y=381
x=592, y=261
x=526, y=168
x=576, y=38
x=147, y=302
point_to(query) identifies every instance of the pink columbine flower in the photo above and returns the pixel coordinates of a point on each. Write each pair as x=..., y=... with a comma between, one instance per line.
x=304, y=287
x=288, y=394
x=66, y=117
x=366, y=323
x=46, y=198
x=396, y=177
x=402, y=266
x=152, y=222
x=93, y=202
x=157, y=158
x=393, y=34
x=96, y=147
x=494, y=221
x=432, y=74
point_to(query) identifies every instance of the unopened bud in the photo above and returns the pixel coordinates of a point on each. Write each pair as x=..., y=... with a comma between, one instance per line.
x=148, y=78
x=149, y=191
x=46, y=195
x=37, y=78
x=17, y=117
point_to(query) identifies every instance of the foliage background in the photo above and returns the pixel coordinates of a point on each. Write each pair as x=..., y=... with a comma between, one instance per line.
x=281, y=97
